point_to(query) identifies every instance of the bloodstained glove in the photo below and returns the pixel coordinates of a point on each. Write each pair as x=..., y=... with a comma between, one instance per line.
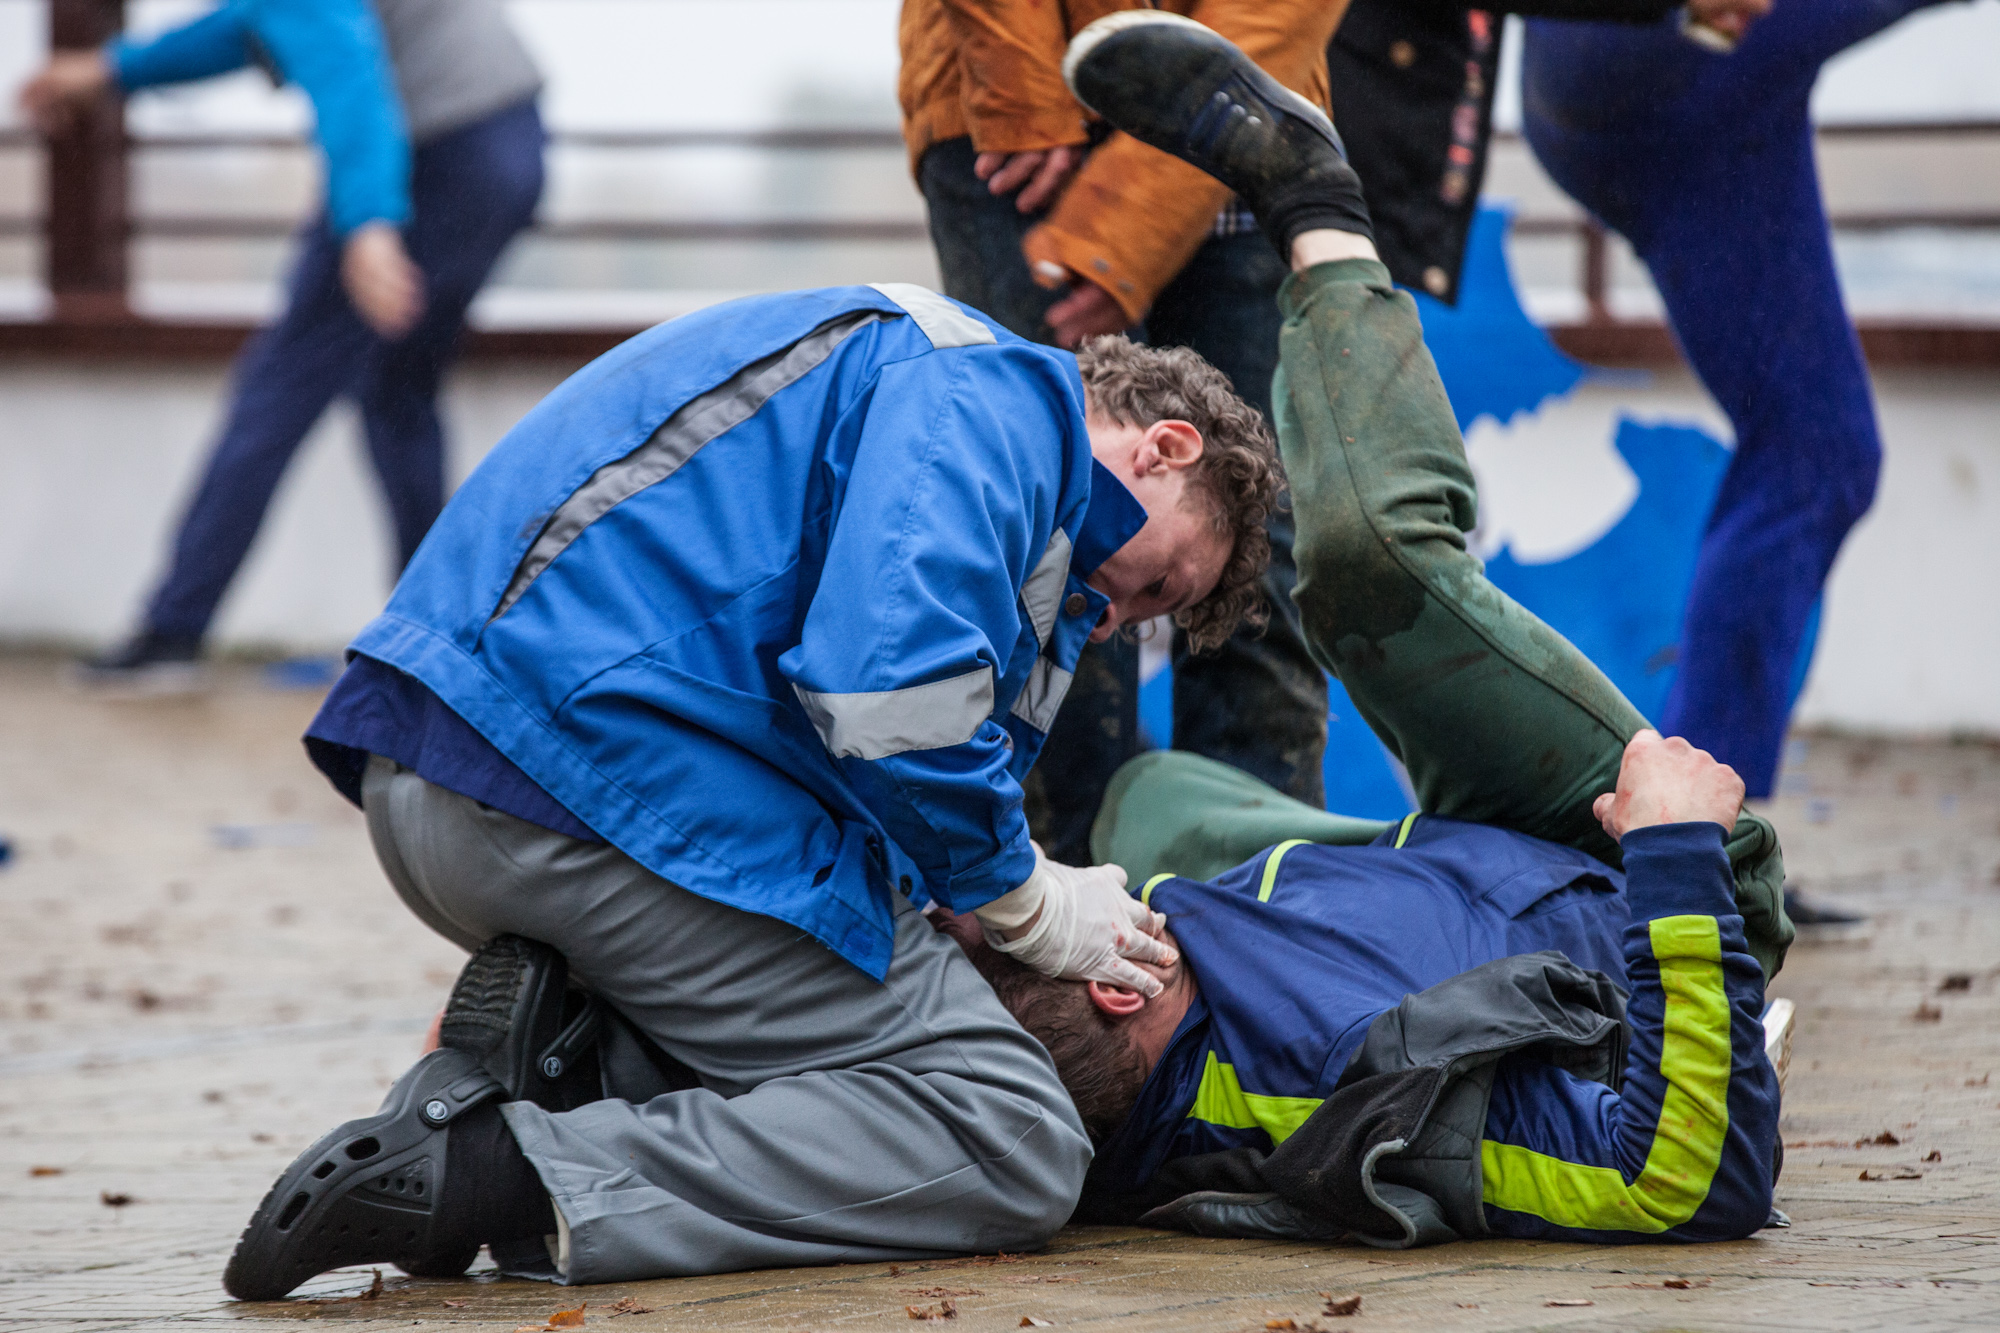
x=1081, y=925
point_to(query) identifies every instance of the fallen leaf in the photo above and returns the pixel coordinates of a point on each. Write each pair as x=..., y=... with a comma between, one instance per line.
x=1956, y=981
x=1567, y=1302
x=1926, y=1012
x=1898, y=1175
x=1039, y=1278
x=932, y=1293
x=1934, y=1156
x=569, y=1318
x=1884, y=1139
x=374, y=1291
x=1981, y=1081
x=1029, y=1321
x=1342, y=1307
x=944, y=1309
x=45, y=1170
x=629, y=1305
x=456, y=1305
x=111, y=1200
x=1463, y=1306
x=1281, y=1323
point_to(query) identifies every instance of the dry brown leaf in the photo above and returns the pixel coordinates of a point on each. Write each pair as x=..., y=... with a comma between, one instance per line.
x=1892, y=1175
x=1029, y=1321
x=1926, y=1012
x=1281, y=1323
x=1341, y=1308
x=944, y=1309
x=45, y=1170
x=569, y=1318
x=629, y=1305
x=1677, y=1284
x=1934, y=1156
x=1956, y=981
x=114, y=1200
x=1568, y=1302
x=374, y=1291
x=1884, y=1140
x=456, y=1305
x=932, y=1293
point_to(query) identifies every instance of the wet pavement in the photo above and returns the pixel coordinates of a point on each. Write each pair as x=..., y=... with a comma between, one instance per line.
x=204, y=970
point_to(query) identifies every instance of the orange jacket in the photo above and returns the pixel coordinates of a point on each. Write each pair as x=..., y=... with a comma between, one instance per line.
x=1132, y=216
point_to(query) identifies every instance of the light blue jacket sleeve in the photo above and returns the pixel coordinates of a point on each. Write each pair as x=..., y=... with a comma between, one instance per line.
x=335, y=52
x=956, y=485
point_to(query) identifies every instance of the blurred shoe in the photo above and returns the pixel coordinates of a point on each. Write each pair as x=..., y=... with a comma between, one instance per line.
x=421, y=1184
x=150, y=665
x=1186, y=90
x=1819, y=922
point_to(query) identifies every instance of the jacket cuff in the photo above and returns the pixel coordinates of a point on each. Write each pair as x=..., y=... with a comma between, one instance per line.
x=1678, y=870
x=1001, y=873
x=1028, y=131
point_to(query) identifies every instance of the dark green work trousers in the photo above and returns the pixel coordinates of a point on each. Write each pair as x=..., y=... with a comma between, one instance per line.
x=1497, y=717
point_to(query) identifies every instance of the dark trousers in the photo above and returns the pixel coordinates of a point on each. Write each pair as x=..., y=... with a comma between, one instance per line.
x=1258, y=703
x=1705, y=164
x=472, y=190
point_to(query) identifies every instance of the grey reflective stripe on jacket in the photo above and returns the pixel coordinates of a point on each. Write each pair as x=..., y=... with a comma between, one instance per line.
x=918, y=717
x=1041, y=599
x=679, y=438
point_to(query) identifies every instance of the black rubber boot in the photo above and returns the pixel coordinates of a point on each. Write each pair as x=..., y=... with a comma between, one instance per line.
x=513, y=1010
x=1186, y=90
x=383, y=1189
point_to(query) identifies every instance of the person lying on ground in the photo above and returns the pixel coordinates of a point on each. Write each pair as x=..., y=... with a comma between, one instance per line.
x=732, y=653
x=1429, y=1039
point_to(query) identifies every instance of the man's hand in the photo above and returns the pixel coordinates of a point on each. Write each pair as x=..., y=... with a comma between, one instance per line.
x=1087, y=311
x=1664, y=780
x=1078, y=924
x=386, y=288
x=1039, y=176
x=62, y=87
x=1731, y=18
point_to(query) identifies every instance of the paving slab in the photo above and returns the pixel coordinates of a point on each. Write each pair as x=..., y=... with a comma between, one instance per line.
x=205, y=970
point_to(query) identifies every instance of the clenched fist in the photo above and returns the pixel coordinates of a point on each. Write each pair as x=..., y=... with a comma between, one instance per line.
x=1664, y=780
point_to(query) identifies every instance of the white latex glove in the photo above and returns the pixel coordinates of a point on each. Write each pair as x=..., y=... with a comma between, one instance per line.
x=1080, y=925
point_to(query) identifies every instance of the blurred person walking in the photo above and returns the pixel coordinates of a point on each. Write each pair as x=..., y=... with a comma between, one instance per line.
x=425, y=115
x=1704, y=162
x=1062, y=230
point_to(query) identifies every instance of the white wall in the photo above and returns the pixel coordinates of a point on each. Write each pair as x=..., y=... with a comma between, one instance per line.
x=98, y=459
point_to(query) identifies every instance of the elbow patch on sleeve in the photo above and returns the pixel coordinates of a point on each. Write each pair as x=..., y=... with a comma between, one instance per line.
x=1688, y=1140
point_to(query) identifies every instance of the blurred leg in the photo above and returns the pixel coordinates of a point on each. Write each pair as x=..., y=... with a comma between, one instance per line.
x=282, y=382
x=473, y=191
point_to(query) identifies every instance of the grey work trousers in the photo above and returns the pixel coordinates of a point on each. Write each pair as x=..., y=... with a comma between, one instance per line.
x=839, y=1120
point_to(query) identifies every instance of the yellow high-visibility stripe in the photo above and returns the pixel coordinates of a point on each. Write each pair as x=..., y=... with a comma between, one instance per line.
x=1403, y=833
x=1146, y=894
x=1271, y=859
x=1220, y=1100
x=1694, y=1115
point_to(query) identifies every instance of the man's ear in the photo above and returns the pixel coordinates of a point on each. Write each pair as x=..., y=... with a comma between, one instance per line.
x=1115, y=1000
x=1169, y=446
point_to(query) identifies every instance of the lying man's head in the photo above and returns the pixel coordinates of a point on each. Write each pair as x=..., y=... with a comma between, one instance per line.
x=1104, y=1039
x=1202, y=462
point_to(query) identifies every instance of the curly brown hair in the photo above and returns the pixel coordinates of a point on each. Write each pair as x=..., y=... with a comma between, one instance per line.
x=1239, y=474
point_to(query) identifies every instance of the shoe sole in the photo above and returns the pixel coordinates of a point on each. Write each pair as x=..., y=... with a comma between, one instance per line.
x=1097, y=33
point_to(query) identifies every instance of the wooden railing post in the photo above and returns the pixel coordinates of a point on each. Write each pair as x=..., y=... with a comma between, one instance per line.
x=87, y=226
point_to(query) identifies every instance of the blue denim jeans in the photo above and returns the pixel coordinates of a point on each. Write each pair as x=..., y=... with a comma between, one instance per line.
x=1258, y=703
x=472, y=190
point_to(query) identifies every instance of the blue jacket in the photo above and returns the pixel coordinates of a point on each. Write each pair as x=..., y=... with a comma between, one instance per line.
x=335, y=52
x=1297, y=953
x=780, y=599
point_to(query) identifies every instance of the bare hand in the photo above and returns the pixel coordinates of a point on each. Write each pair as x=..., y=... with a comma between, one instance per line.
x=1087, y=311
x=386, y=288
x=62, y=87
x=1731, y=18
x=1664, y=780
x=1039, y=176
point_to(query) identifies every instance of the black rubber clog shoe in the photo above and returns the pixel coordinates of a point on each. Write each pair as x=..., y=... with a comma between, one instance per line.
x=1183, y=88
x=512, y=1008
x=369, y=1191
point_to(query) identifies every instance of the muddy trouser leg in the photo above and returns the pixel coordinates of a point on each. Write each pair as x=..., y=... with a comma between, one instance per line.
x=840, y=1120
x=1498, y=718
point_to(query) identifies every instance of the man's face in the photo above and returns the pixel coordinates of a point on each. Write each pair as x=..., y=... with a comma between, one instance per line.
x=1178, y=557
